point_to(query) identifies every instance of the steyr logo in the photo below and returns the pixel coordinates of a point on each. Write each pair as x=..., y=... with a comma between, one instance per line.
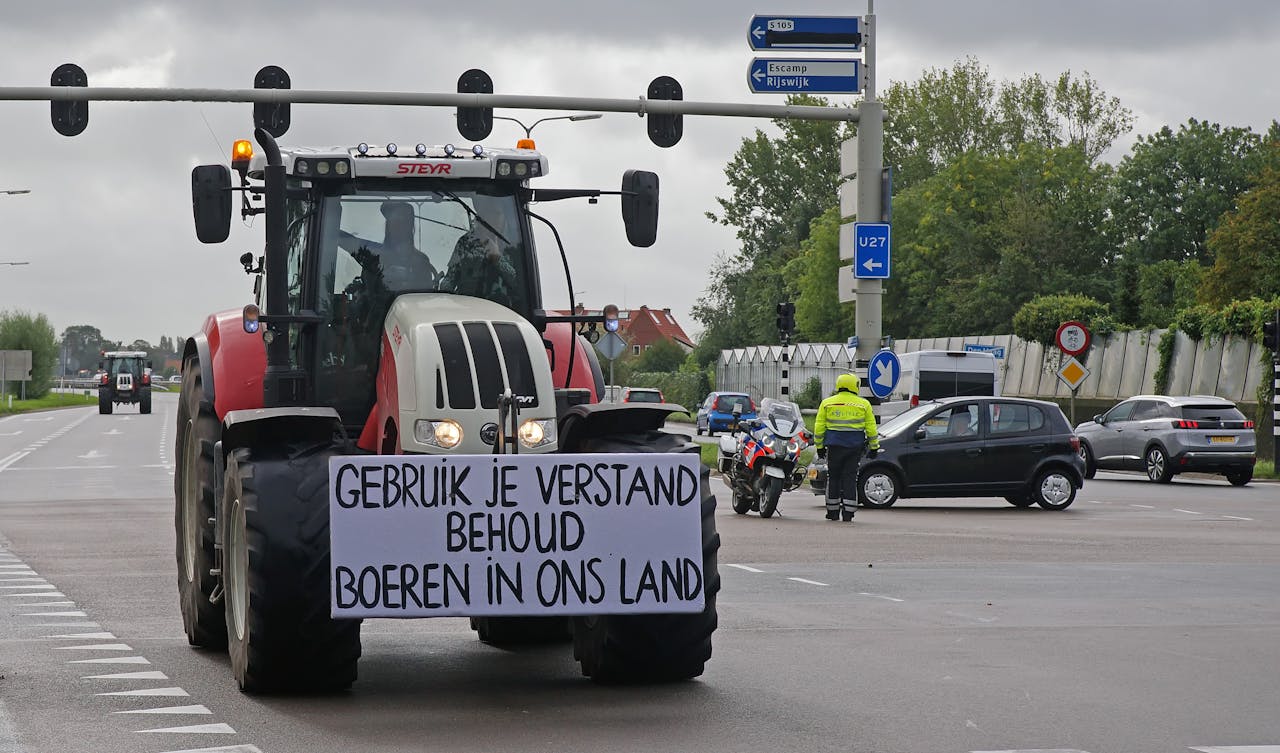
x=424, y=168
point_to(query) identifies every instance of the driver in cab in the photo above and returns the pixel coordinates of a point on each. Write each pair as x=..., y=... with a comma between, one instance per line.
x=402, y=265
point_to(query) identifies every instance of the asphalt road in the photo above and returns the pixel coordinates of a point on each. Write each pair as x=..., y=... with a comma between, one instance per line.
x=1144, y=619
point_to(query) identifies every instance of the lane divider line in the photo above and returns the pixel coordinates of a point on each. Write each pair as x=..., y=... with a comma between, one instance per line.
x=96, y=647
x=1144, y=507
x=1189, y=512
x=83, y=636
x=221, y=749
x=879, y=596
x=167, y=692
x=810, y=582
x=196, y=729
x=1236, y=517
x=194, y=710
x=153, y=675
x=112, y=660
x=748, y=569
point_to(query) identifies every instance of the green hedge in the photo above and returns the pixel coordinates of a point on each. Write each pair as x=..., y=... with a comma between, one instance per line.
x=686, y=388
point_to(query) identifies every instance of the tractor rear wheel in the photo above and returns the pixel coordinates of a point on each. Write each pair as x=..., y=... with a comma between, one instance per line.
x=198, y=431
x=144, y=404
x=652, y=647
x=104, y=403
x=276, y=568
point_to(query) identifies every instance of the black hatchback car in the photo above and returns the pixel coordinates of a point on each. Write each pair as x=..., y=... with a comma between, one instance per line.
x=1022, y=450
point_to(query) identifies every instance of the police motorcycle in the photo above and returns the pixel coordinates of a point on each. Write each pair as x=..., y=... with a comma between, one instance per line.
x=760, y=458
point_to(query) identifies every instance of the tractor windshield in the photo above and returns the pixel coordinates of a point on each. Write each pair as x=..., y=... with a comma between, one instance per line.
x=452, y=236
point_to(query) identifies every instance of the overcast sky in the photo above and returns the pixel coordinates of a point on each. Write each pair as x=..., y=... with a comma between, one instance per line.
x=107, y=226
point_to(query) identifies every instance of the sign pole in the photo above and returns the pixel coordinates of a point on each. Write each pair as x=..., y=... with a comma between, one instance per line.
x=867, y=312
x=1275, y=412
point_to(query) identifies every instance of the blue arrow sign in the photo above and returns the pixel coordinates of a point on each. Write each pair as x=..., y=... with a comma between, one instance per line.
x=882, y=372
x=789, y=75
x=805, y=33
x=871, y=250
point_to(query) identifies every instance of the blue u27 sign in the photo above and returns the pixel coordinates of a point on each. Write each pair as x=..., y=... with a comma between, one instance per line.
x=792, y=75
x=805, y=33
x=871, y=250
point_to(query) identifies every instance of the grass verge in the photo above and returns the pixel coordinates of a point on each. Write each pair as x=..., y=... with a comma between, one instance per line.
x=1265, y=469
x=49, y=401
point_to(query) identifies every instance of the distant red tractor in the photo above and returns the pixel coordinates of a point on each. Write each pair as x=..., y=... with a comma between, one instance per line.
x=398, y=313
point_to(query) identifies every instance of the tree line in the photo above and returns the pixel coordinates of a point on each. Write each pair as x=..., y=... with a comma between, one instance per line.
x=1000, y=197
x=76, y=353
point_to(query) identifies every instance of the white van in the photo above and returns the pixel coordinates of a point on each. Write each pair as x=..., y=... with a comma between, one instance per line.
x=931, y=374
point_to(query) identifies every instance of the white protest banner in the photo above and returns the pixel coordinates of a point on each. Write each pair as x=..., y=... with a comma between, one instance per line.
x=474, y=535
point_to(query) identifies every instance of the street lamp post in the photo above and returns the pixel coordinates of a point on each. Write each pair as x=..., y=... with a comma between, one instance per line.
x=528, y=129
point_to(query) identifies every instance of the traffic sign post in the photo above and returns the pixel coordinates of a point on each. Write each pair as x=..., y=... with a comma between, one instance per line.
x=611, y=346
x=1073, y=373
x=808, y=76
x=883, y=372
x=842, y=33
x=871, y=250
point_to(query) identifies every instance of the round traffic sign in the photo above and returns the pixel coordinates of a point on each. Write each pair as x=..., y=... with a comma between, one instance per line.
x=1072, y=338
x=883, y=371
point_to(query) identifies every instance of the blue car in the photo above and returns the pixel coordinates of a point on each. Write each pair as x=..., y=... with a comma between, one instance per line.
x=716, y=412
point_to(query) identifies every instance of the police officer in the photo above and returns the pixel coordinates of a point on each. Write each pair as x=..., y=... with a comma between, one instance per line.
x=844, y=428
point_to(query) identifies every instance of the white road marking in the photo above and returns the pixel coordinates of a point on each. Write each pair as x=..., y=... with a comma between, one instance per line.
x=113, y=432
x=23, y=580
x=1189, y=512
x=129, y=676
x=1034, y=750
x=41, y=595
x=168, y=692
x=878, y=596
x=196, y=709
x=1240, y=749
x=1144, y=507
x=76, y=613
x=28, y=588
x=37, y=420
x=198, y=729
x=65, y=468
x=95, y=647
x=11, y=459
x=112, y=660
x=221, y=749
x=1236, y=517
x=748, y=569
x=810, y=582
x=66, y=624
x=50, y=604
x=84, y=636
x=10, y=434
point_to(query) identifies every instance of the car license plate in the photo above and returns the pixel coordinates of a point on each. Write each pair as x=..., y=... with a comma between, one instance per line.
x=1222, y=440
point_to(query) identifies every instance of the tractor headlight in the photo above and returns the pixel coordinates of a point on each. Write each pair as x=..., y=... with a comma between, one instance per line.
x=537, y=432
x=445, y=433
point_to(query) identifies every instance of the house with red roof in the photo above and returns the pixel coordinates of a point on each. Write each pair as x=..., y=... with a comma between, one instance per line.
x=643, y=327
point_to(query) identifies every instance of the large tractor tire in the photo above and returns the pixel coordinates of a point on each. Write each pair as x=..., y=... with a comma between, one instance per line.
x=144, y=403
x=522, y=631
x=276, y=570
x=104, y=403
x=652, y=647
x=198, y=431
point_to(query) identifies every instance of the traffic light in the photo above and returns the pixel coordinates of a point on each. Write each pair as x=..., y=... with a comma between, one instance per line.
x=665, y=130
x=786, y=319
x=272, y=118
x=1271, y=333
x=70, y=117
x=475, y=123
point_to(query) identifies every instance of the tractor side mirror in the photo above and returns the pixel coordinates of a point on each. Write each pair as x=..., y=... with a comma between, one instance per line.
x=640, y=207
x=211, y=202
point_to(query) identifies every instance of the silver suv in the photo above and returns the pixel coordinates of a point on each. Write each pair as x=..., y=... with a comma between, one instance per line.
x=1165, y=436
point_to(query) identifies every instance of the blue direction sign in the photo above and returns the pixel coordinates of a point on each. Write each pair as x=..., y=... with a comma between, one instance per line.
x=805, y=33
x=883, y=372
x=871, y=250
x=995, y=350
x=791, y=75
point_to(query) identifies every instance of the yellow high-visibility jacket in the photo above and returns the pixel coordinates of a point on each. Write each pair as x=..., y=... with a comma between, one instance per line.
x=845, y=420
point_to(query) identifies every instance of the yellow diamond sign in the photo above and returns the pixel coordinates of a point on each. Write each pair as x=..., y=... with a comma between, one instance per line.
x=1072, y=373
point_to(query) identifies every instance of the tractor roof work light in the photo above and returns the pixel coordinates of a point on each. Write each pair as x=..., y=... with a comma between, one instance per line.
x=241, y=153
